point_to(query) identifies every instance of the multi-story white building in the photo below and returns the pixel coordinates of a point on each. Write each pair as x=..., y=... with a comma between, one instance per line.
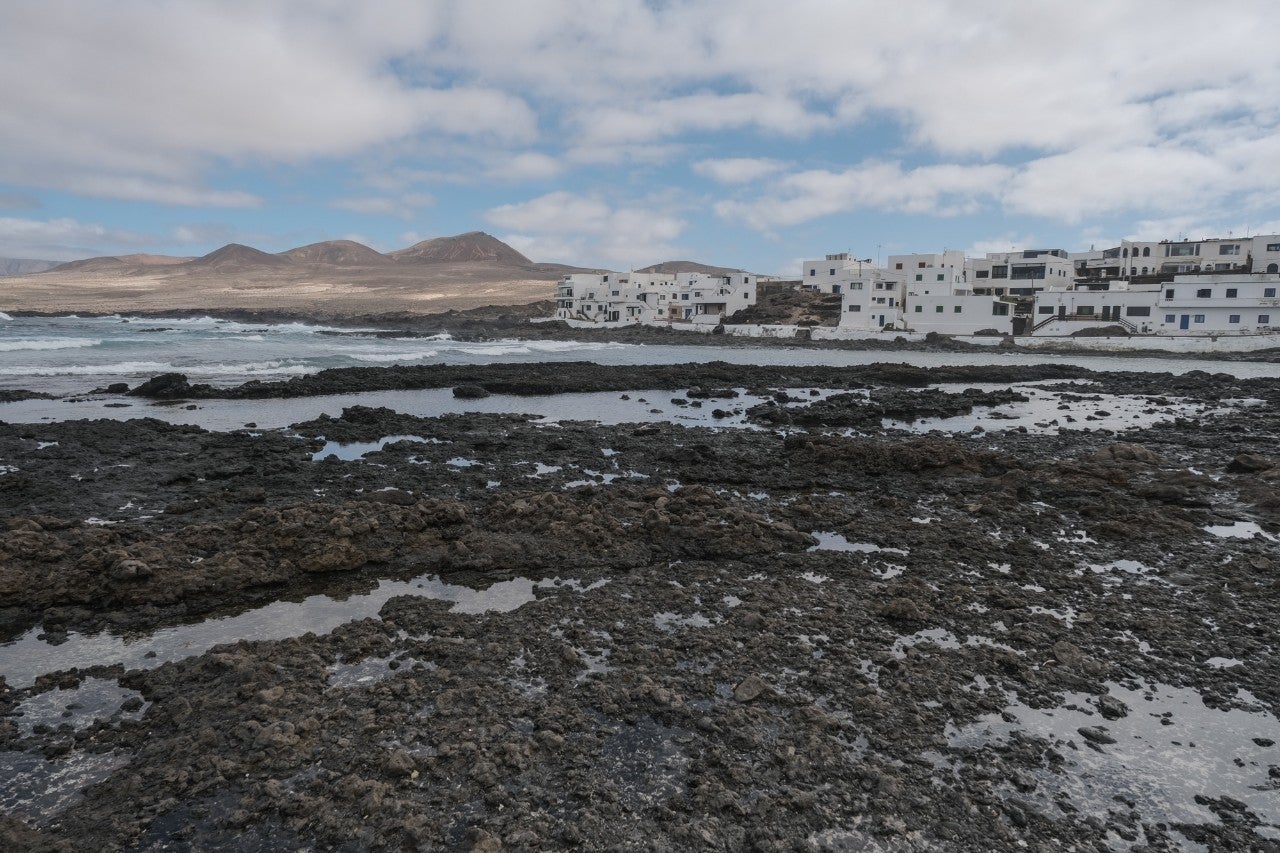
x=1145, y=260
x=955, y=311
x=621, y=297
x=1232, y=303
x=1020, y=273
x=872, y=300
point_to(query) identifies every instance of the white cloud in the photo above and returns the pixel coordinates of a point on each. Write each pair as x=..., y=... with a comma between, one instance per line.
x=803, y=196
x=134, y=100
x=62, y=239
x=563, y=226
x=202, y=234
x=738, y=170
x=403, y=206
x=526, y=166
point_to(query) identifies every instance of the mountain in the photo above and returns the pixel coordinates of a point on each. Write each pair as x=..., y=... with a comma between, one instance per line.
x=332, y=278
x=338, y=253
x=673, y=267
x=24, y=266
x=104, y=264
x=474, y=246
x=235, y=257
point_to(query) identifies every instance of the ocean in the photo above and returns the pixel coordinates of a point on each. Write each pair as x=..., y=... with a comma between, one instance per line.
x=74, y=355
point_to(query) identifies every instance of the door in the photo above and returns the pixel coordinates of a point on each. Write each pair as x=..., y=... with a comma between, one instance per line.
x=1184, y=322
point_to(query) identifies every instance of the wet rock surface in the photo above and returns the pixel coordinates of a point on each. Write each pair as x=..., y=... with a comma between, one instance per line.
x=994, y=617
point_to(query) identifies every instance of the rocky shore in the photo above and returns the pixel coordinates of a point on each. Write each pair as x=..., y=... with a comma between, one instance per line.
x=821, y=632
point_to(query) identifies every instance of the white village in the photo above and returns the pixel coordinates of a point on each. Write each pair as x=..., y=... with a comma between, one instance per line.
x=1200, y=290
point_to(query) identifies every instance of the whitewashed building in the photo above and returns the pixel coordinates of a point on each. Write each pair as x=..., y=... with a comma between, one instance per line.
x=872, y=300
x=1232, y=303
x=649, y=298
x=1020, y=273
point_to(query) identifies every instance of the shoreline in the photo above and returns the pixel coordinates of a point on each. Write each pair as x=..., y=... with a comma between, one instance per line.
x=501, y=322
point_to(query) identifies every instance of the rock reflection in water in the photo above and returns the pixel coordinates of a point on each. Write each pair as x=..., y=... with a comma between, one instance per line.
x=29, y=657
x=1168, y=750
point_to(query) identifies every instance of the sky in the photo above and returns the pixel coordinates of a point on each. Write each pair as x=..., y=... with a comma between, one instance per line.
x=742, y=133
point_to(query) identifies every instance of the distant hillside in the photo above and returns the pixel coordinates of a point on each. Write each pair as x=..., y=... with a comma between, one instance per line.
x=24, y=266
x=339, y=253
x=332, y=278
x=673, y=267
x=104, y=264
x=235, y=257
x=463, y=248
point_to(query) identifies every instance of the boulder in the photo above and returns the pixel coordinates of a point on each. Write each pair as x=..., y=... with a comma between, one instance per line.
x=470, y=392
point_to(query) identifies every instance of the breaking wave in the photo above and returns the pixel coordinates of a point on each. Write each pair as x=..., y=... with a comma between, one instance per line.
x=47, y=343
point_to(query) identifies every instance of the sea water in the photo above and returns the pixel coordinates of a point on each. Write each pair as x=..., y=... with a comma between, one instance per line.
x=73, y=355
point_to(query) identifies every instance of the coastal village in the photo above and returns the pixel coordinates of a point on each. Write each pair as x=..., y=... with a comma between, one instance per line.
x=1202, y=288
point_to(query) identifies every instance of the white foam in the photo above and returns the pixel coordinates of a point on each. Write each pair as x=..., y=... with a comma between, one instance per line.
x=21, y=344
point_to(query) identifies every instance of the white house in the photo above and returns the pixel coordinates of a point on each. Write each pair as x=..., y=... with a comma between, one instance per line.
x=872, y=300
x=1236, y=303
x=1020, y=273
x=622, y=297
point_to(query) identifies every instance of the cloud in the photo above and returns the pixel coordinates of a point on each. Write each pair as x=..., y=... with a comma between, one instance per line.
x=138, y=99
x=203, y=233
x=63, y=239
x=738, y=170
x=526, y=166
x=563, y=225
x=940, y=190
x=404, y=206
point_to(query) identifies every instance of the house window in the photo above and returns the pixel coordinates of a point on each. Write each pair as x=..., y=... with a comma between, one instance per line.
x=1169, y=318
x=1232, y=292
x=982, y=274
x=1000, y=271
x=1264, y=319
x=919, y=308
x=1204, y=293
x=1045, y=309
x=813, y=271
x=1168, y=294
x=1229, y=249
x=1085, y=310
x=855, y=307
x=685, y=297
x=1233, y=318
x=897, y=266
x=832, y=271
x=942, y=276
x=958, y=309
x=835, y=288
x=1197, y=318
x=1146, y=251
x=1138, y=311
x=1182, y=250
x=920, y=265
x=937, y=309
x=1273, y=247
x=919, y=277
x=1269, y=292
x=1000, y=309
x=856, y=285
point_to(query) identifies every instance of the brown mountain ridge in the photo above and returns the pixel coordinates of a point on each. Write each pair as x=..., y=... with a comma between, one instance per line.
x=332, y=278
